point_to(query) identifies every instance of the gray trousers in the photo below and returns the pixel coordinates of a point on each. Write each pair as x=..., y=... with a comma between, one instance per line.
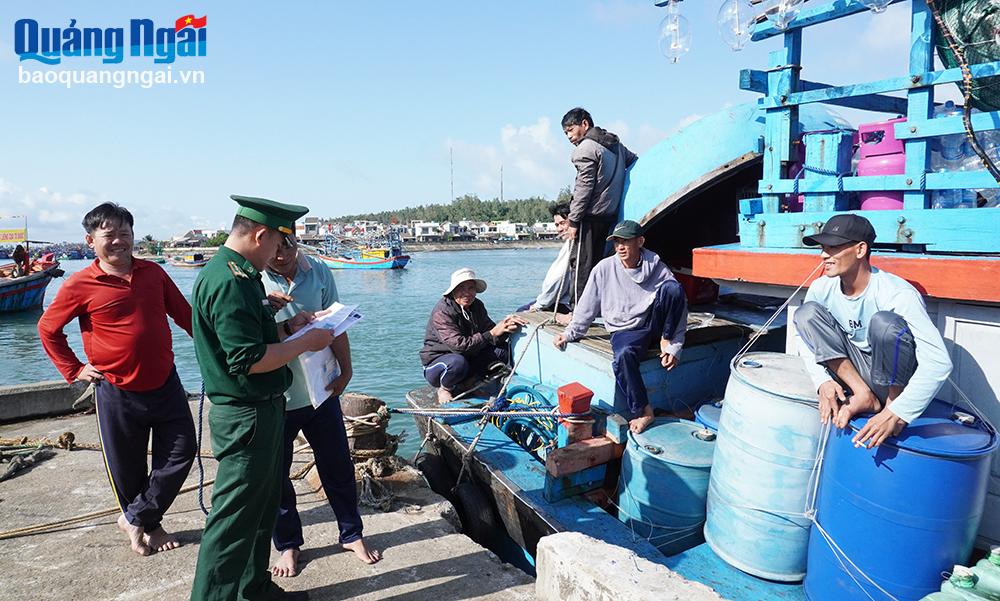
x=893, y=356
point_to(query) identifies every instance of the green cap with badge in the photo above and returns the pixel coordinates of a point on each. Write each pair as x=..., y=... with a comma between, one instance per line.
x=626, y=230
x=273, y=214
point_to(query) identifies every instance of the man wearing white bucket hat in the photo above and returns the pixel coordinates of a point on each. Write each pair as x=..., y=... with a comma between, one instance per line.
x=461, y=339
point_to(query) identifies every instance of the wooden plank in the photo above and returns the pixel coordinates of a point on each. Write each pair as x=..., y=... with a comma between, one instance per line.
x=582, y=455
x=939, y=230
x=571, y=485
x=812, y=15
x=617, y=429
x=934, y=181
x=916, y=128
x=829, y=151
x=920, y=103
x=893, y=84
x=966, y=278
x=781, y=124
x=756, y=81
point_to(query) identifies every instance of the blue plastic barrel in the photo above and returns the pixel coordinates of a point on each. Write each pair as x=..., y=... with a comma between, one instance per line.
x=709, y=415
x=902, y=513
x=663, y=483
x=764, y=460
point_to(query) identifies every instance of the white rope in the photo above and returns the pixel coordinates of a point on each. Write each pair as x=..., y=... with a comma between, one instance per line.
x=972, y=405
x=784, y=305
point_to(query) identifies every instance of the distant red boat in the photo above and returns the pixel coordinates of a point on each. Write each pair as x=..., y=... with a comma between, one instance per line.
x=27, y=291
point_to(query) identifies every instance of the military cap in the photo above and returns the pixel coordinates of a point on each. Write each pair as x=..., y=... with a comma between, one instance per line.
x=273, y=214
x=626, y=230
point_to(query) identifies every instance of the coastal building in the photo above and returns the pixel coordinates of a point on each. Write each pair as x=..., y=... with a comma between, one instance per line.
x=426, y=231
x=195, y=237
x=545, y=230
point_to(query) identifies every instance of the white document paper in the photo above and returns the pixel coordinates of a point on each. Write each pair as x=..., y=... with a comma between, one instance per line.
x=336, y=317
x=321, y=367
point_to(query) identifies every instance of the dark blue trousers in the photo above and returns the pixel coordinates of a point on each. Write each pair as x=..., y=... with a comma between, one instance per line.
x=125, y=421
x=448, y=371
x=324, y=430
x=667, y=319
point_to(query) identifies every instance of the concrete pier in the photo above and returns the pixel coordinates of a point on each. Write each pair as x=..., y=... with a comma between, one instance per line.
x=25, y=401
x=620, y=574
x=425, y=557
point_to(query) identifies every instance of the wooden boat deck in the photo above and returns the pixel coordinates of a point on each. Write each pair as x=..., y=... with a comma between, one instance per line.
x=703, y=328
x=516, y=481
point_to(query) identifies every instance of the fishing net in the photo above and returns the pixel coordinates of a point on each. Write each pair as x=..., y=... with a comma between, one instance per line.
x=976, y=26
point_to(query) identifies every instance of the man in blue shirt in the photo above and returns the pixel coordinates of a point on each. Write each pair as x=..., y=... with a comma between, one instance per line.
x=875, y=350
x=294, y=281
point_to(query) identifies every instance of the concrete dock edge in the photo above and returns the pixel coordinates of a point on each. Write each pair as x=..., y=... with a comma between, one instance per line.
x=562, y=574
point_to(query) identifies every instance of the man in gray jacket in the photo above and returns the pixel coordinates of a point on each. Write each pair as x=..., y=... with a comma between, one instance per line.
x=601, y=161
x=641, y=303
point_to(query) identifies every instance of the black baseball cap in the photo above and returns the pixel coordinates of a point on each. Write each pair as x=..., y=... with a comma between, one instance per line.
x=841, y=229
x=626, y=230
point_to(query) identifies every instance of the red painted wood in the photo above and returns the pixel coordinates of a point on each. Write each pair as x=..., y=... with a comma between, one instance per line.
x=971, y=279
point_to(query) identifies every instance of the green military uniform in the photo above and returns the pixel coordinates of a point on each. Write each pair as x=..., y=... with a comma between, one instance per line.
x=232, y=325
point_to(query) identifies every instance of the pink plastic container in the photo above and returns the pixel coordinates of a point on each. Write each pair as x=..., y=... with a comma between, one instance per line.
x=881, y=154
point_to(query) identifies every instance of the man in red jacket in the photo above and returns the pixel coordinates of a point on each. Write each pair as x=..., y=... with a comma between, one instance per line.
x=122, y=305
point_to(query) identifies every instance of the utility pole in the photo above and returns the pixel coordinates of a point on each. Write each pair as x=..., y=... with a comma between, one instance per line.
x=501, y=182
x=451, y=161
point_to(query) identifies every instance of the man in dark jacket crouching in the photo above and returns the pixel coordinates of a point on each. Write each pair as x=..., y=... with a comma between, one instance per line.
x=461, y=340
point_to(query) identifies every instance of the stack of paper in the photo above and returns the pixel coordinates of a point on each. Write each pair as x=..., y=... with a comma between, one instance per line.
x=321, y=367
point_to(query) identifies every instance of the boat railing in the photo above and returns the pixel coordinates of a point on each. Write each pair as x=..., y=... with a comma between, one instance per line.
x=827, y=180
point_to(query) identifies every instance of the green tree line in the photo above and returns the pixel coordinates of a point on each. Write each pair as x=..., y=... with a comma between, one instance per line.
x=470, y=206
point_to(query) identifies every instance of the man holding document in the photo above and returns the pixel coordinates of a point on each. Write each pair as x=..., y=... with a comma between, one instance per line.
x=296, y=282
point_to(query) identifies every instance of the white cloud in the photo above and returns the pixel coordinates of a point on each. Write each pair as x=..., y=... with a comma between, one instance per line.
x=535, y=158
x=688, y=120
x=55, y=215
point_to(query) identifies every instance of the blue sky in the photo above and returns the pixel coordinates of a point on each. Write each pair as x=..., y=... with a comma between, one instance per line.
x=349, y=107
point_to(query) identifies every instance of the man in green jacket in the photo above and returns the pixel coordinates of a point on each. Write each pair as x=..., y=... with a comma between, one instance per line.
x=243, y=365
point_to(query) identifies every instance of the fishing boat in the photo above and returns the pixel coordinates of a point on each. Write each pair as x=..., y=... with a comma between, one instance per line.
x=726, y=202
x=379, y=252
x=26, y=292
x=194, y=260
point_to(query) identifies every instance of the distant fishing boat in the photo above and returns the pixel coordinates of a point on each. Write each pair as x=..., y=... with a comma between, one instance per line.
x=384, y=252
x=27, y=291
x=194, y=260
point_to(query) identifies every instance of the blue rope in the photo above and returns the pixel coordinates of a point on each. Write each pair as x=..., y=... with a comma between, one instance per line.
x=477, y=413
x=201, y=467
x=839, y=176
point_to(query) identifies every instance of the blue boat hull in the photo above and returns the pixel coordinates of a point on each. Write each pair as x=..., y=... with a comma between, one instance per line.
x=397, y=262
x=23, y=294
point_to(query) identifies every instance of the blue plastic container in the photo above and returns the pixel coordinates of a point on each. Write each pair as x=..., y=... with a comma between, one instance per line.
x=663, y=483
x=764, y=459
x=709, y=415
x=902, y=513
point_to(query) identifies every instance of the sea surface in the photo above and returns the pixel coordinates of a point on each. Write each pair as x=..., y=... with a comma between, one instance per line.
x=384, y=345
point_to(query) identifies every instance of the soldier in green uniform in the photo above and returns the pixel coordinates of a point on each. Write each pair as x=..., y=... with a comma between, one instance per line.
x=242, y=359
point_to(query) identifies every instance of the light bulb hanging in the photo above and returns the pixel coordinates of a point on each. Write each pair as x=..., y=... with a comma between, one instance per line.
x=736, y=22
x=782, y=12
x=675, y=33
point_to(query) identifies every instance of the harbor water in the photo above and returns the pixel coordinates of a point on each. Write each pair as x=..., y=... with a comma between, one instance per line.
x=384, y=345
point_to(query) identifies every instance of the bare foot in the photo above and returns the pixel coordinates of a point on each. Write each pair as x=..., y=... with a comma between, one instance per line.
x=365, y=554
x=564, y=318
x=287, y=565
x=444, y=396
x=856, y=405
x=135, y=536
x=160, y=540
x=638, y=424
